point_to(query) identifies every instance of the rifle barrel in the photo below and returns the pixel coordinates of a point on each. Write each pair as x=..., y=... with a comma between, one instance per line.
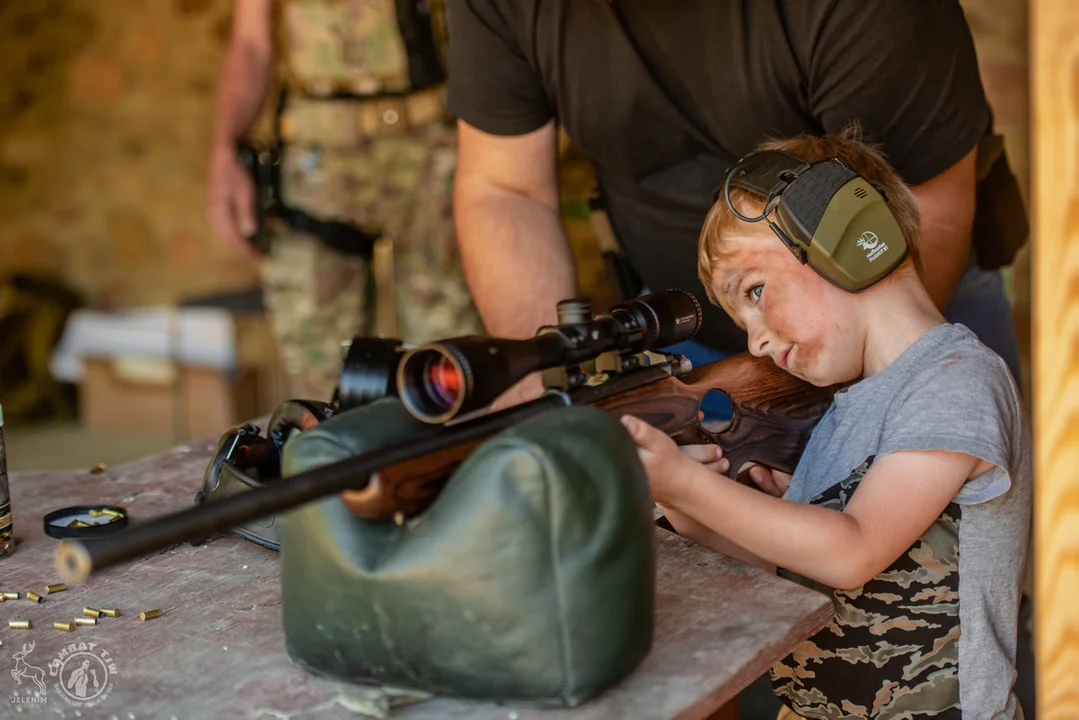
x=76, y=559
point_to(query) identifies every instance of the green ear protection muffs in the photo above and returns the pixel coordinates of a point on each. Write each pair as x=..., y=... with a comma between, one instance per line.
x=827, y=215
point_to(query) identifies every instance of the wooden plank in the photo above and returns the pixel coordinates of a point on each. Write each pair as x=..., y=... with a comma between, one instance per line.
x=1055, y=192
x=218, y=649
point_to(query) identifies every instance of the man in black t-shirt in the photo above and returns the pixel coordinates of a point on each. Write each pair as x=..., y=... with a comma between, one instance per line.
x=663, y=97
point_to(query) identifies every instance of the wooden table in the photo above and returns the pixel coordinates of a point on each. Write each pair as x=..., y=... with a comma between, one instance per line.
x=218, y=648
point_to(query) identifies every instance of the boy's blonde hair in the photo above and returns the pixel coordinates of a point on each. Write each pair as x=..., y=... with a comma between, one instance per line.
x=853, y=152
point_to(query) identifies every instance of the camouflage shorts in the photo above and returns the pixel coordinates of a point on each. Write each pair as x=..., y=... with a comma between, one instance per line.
x=399, y=186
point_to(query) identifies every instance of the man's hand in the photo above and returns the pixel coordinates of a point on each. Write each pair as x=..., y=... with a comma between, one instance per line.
x=230, y=200
x=245, y=76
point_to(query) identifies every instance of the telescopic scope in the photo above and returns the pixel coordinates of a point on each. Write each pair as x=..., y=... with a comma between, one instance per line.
x=441, y=380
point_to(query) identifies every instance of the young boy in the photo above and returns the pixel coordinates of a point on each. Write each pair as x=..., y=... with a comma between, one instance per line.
x=911, y=503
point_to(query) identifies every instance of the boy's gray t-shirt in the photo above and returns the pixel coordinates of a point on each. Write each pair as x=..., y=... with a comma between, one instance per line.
x=937, y=628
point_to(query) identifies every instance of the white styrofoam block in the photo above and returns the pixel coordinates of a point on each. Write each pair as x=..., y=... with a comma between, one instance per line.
x=190, y=336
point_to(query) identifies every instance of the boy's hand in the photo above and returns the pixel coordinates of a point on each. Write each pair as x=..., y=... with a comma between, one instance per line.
x=709, y=455
x=663, y=461
x=770, y=481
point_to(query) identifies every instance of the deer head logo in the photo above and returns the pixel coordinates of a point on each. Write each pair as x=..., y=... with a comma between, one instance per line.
x=868, y=240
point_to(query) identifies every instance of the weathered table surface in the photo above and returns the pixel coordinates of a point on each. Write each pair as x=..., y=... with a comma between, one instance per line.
x=218, y=648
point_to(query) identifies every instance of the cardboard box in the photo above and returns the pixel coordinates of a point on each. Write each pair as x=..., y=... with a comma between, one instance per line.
x=159, y=397
x=144, y=395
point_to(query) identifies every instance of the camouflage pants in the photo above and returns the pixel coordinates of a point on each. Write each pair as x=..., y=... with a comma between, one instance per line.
x=399, y=186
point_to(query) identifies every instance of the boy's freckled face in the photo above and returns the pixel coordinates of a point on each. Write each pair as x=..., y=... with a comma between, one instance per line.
x=791, y=314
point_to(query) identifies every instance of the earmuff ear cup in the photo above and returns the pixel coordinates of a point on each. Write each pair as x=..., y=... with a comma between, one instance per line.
x=828, y=215
x=857, y=241
x=296, y=416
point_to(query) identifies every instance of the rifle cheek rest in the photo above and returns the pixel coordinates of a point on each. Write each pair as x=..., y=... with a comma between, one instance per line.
x=530, y=579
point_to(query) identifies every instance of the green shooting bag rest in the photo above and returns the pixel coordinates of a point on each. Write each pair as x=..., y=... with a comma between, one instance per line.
x=530, y=579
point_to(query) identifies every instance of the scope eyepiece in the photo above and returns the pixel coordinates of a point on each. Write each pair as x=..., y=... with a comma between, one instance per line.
x=663, y=319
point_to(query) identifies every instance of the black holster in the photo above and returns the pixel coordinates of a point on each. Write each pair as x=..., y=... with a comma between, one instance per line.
x=263, y=163
x=1000, y=225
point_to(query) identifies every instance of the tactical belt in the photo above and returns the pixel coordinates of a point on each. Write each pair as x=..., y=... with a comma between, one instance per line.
x=339, y=121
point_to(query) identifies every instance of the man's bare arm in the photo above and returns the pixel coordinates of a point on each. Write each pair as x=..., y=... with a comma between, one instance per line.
x=245, y=72
x=245, y=76
x=516, y=256
x=946, y=206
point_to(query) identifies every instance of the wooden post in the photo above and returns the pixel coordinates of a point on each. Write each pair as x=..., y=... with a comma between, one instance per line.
x=1054, y=46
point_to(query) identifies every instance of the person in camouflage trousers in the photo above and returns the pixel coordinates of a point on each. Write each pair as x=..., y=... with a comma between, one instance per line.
x=366, y=140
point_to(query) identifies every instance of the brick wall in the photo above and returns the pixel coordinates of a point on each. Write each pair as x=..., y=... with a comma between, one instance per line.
x=104, y=126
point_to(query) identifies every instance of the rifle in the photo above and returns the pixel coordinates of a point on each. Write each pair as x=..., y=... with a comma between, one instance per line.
x=614, y=362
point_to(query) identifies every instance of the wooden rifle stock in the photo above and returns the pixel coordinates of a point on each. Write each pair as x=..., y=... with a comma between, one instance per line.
x=774, y=414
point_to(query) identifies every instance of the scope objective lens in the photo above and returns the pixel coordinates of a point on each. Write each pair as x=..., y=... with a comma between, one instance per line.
x=443, y=382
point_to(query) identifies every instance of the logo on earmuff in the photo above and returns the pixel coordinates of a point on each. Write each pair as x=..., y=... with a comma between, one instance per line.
x=872, y=245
